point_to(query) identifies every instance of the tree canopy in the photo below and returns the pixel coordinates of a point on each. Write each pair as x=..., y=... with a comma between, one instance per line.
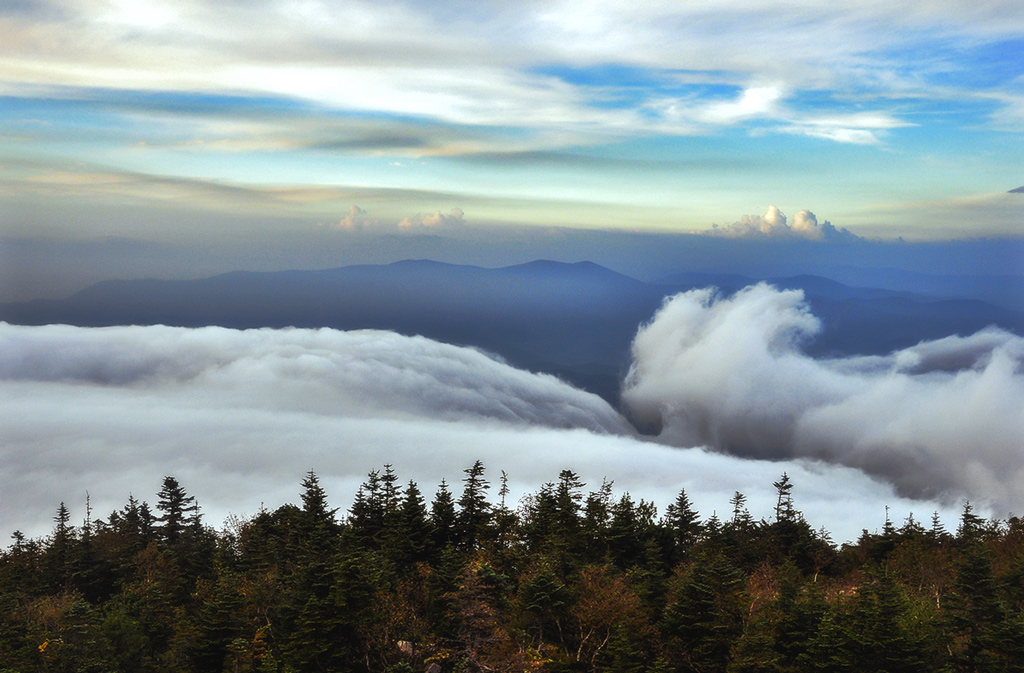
x=570, y=580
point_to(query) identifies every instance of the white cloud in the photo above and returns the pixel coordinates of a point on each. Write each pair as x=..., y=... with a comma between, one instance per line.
x=433, y=220
x=355, y=220
x=358, y=220
x=240, y=416
x=319, y=371
x=396, y=58
x=774, y=224
x=943, y=418
x=753, y=102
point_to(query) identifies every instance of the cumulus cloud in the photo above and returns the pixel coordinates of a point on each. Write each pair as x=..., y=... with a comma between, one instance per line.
x=240, y=416
x=774, y=224
x=434, y=220
x=358, y=220
x=355, y=220
x=941, y=419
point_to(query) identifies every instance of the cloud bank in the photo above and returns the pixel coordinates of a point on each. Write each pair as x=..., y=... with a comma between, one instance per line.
x=941, y=419
x=240, y=416
x=774, y=225
x=320, y=371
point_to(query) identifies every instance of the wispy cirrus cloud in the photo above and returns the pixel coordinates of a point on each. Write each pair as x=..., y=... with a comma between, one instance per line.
x=358, y=57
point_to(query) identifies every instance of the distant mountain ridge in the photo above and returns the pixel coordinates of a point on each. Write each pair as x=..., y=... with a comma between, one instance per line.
x=576, y=321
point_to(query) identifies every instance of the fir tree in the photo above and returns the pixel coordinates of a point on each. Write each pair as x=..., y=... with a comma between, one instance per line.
x=474, y=514
x=442, y=517
x=683, y=521
x=179, y=511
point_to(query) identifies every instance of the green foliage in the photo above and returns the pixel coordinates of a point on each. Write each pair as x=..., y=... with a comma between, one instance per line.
x=565, y=583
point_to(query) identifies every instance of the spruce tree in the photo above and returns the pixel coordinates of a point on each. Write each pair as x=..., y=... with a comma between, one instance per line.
x=411, y=540
x=179, y=511
x=474, y=514
x=317, y=525
x=683, y=521
x=442, y=517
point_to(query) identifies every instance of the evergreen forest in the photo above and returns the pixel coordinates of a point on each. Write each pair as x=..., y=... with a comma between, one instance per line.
x=568, y=579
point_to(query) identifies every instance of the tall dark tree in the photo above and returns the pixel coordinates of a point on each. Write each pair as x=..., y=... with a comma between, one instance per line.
x=180, y=511
x=366, y=515
x=972, y=526
x=505, y=520
x=683, y=521
x=740, y=516
x=442, y=517
x=390, y=492
x=568, y=497
x=317, y=523
x=474, y=514
x=629, y=531
x=784, y=499
x=57, y=561
x=596, y=515
x=411, y=539
x=975, y=613
x=314, y=501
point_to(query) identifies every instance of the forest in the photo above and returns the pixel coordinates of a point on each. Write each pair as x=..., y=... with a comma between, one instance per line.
x=566, y=579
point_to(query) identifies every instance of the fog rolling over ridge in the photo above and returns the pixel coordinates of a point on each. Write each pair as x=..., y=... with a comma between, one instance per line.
x=239, y=416
x=943, y=418
x=575, y=321
x=801, y=374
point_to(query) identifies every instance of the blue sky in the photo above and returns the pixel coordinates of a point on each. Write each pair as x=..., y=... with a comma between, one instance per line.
x=170, y=121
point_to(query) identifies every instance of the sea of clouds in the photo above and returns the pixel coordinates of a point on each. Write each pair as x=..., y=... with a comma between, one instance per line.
x=240, y=416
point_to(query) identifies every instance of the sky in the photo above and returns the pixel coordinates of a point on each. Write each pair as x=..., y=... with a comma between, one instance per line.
x=253, y=127
x=184, y=138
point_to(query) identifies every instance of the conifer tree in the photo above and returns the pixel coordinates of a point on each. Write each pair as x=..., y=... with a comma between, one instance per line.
x=626, y=532
x=391, y=492
x=784, y=503
x=58, y=554
x=317, y=525
x=442, y=517
x=683, y=521
x=567, y=503
x=504, y=519
x=740, y=516
x=474, y=511
x=179, y=511
x=412, y=529
x=366, y=515
x=596, y=514
x=704, y=615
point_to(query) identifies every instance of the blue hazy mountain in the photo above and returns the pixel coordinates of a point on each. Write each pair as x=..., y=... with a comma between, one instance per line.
x=576, y=321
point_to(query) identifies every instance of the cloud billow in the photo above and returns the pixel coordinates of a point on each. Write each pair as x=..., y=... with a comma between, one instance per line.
x=774, y=225
x=326, y=371
x=358, y=220
x=940, y=419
